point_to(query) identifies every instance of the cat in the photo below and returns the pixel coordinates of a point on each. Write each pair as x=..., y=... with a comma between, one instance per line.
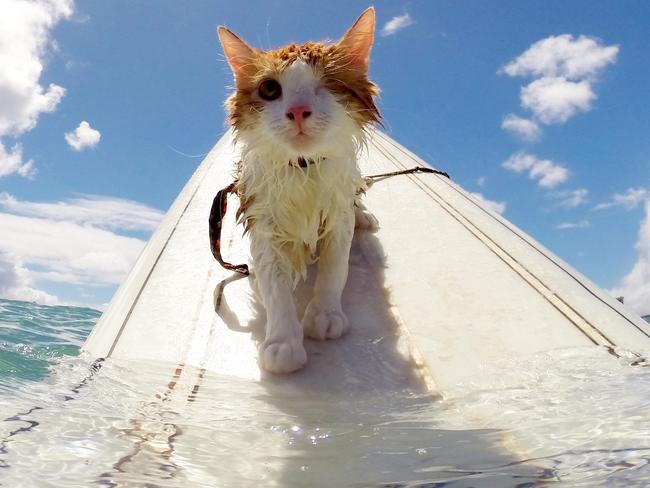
x=300, y=114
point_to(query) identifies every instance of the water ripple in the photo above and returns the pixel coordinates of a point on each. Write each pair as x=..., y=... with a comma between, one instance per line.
x=33, y=337
x=567, y=418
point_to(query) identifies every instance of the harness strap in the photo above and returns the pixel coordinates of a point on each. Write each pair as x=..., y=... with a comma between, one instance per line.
x=215, y=222
x=220, y=205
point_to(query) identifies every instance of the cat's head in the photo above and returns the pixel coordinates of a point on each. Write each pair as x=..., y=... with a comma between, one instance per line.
x=303, y=99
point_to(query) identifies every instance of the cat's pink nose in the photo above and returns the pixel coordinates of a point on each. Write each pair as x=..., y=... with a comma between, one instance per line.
x=298, y=114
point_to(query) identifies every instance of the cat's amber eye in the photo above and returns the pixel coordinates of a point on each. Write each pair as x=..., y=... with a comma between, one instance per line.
x=269, y=90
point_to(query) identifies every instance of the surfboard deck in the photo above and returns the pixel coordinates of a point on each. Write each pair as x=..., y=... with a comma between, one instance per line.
x=443, y=291
x=461, y=285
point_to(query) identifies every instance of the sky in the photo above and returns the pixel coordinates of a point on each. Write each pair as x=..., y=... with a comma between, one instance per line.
x=540, y=109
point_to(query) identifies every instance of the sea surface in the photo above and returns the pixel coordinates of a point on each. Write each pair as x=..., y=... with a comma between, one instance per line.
x=567, y=418
x=35, y=337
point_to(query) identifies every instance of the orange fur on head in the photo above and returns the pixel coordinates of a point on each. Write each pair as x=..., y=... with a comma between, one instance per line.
x=342, y=68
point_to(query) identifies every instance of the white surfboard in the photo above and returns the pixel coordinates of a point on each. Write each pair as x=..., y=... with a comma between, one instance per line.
x=464, y=285
x=443, y=294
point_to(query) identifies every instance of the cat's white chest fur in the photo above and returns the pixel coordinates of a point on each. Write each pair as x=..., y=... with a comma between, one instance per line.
x=293, y=209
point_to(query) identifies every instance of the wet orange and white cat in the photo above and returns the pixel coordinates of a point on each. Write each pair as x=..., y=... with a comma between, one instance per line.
x=300, y=114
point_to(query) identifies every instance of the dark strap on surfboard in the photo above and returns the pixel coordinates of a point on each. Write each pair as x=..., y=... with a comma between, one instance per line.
x=410, y=171
x=215, y=222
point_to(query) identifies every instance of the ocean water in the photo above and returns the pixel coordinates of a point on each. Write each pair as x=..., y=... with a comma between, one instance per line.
x=34, y=337
x=566, y=418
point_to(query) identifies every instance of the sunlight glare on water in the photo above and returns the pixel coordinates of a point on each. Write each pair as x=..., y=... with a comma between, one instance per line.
x=569, y=418
x=581, y=413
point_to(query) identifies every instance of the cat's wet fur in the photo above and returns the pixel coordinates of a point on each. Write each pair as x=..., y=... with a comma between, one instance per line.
x=300, y=114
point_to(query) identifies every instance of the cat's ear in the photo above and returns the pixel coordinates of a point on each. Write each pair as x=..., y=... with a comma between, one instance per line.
x=238, y=53
x=357, y=41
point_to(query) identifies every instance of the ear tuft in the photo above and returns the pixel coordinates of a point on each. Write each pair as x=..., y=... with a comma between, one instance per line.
x=359, y=38
x=238, y=53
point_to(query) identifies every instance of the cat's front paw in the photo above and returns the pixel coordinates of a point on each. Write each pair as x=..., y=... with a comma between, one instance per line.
x=283, y=356
x=322, y=323
x=364, y=220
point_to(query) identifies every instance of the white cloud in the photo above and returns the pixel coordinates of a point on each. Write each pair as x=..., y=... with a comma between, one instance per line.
x=582, y=224
x=547, y=173
x=396, y=24
x=572, y=198
x=75, y=241
x=83, y=137
x=525, y=128
x=89, y=210
x=15, y=283
x=25, y=27
x=497, y=207
x=481, y=181
x=67, y=251
x=555, y=100
x=12, y=162
x=635, y=286
x=563, y=56
x=520, y=162
x=630, y=200
x=566, y=69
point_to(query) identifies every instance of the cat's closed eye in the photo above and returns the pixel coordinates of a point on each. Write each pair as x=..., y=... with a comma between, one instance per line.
x=269, y=90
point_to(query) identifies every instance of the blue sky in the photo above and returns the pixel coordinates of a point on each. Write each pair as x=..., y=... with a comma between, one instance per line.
x=150, y=78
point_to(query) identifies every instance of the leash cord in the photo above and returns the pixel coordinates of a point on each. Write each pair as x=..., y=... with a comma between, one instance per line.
x=215, y=222
x=418, y=169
